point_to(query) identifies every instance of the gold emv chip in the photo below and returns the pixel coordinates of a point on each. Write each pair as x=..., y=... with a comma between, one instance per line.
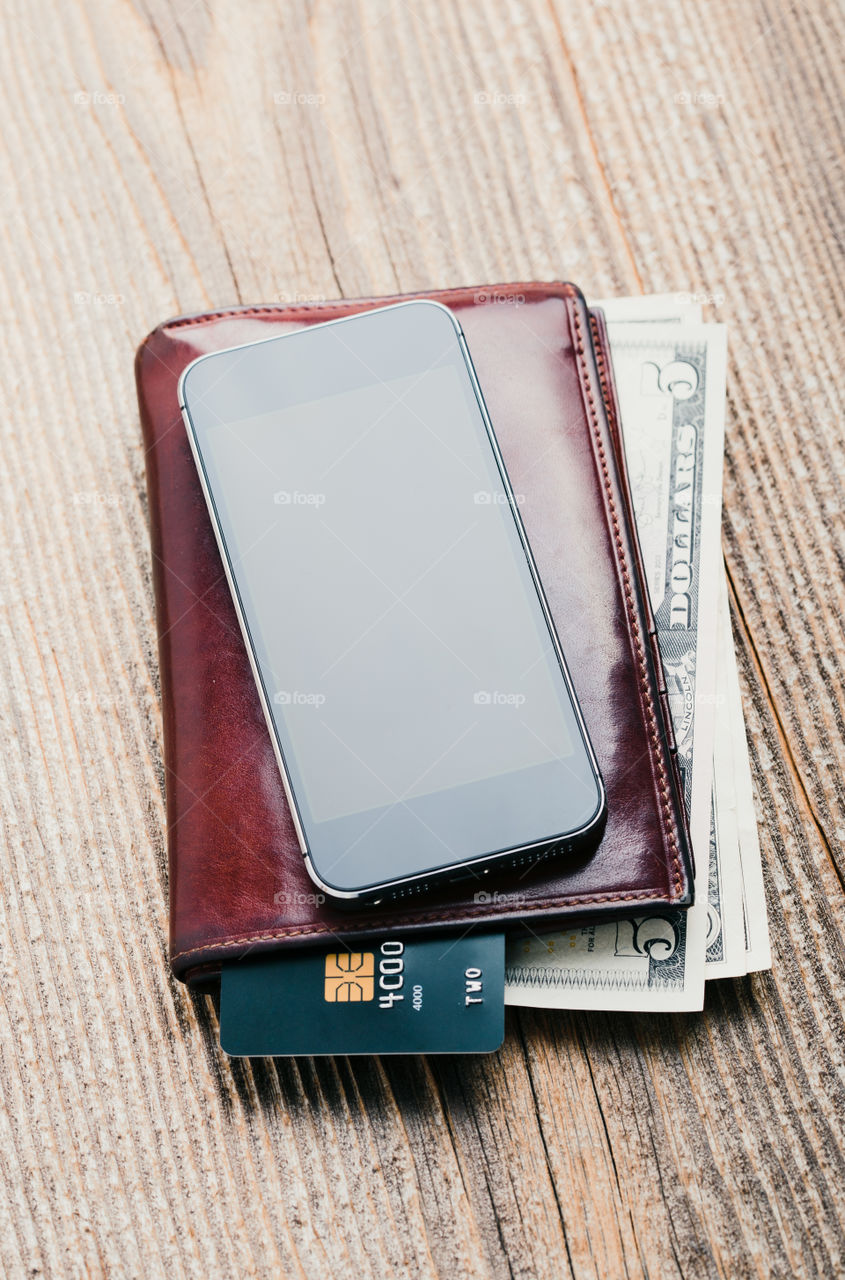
x=350, y=977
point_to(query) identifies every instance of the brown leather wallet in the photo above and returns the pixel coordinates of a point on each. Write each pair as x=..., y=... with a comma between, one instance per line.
x=237, y=877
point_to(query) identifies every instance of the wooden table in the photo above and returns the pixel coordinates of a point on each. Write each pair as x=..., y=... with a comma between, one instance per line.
x=166, y=155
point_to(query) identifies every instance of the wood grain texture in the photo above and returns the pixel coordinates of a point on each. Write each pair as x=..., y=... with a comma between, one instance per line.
x=165, y=155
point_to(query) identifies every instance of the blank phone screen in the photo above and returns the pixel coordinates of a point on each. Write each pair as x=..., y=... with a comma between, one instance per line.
x=405, y=657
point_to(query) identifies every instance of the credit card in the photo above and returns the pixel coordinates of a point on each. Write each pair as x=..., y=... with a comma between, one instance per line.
x=438, y=994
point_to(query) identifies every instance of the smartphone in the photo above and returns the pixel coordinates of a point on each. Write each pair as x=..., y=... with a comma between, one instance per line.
x=414, y=687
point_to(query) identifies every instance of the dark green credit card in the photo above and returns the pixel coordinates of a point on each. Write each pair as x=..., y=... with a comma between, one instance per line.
x=437, y=994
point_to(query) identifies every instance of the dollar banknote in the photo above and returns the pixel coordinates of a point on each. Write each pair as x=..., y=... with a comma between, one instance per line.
x=726, y=955
x=652, y=308
x=671, y=382
x=726, y=951
x=733, y=744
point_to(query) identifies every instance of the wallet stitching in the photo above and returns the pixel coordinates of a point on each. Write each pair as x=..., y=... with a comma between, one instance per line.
x=433, y=917
x=344, y=304
x=668, y=827
x=562, y=290
x=604, y=382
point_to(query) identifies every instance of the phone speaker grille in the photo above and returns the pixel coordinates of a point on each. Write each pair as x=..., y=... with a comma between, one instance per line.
x=516, y=863
x=409, y=891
